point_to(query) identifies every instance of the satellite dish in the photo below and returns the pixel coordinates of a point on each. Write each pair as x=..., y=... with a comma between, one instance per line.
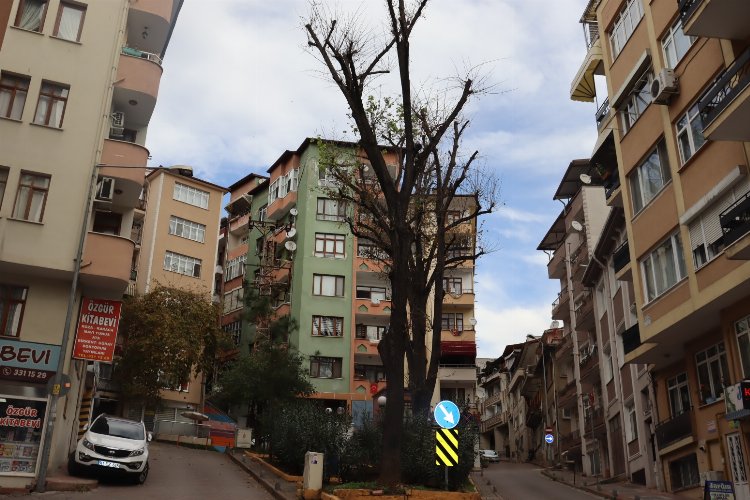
x=585, y=178
x=291, y=233
x=577, y=226
x=555, y=324
x=294, y=211
x=291, y=246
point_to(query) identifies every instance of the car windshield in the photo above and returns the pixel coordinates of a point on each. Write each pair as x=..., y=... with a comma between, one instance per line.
x=117, y=428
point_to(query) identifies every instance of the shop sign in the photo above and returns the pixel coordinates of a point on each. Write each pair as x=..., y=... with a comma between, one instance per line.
x=745, y=391
x=28, y=361
x=97, y=330
x=22, y=424
x=718, y=490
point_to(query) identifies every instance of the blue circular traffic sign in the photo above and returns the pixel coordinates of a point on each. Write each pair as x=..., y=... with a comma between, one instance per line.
x=549, y=438
x=447, y=414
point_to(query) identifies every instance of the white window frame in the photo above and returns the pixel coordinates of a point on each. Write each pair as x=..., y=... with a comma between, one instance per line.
x=263, y=213
x=273, y=192
x=234, y=330
x=187, y=229
x=631, y=422
x=625, y=24
x=191, y=195
x=323, y=283
x=675, y=385
x=326, y=239
x=182, y=264
x=637, y=101
x=333, y=210
x=671, y=46
x=643, y=177
x=608, y=371
x=689, y=131
x=742, y=331
x=319, y=323
x=650, y=265
x=713, y=387
x=235, y=267
x=234, y=300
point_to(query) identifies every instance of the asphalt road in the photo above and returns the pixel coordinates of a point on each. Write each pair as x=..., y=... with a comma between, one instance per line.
x=514, y=481
x=178, y=473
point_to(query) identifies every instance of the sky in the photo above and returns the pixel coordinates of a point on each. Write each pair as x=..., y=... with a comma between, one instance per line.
x=240, y=87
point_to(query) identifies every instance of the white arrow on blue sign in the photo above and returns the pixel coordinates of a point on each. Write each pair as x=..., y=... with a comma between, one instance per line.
x=549, y=438
x=447, y=414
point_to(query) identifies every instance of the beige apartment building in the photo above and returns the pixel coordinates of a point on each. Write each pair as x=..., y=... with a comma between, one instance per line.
x=179, y=243
x=673, y=132
x=78, y=85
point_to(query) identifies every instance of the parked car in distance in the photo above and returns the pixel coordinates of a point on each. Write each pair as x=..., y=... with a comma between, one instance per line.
x=489, y=455
x=114, y=446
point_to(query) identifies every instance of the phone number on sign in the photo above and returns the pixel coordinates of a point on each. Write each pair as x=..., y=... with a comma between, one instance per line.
x=24, y=373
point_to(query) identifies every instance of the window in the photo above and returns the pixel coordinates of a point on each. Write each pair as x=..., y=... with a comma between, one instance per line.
x=290, y=179
x=690, y=133
x=625, y=25
x=273, y=191
x=326, y=177
x=371, y=373
x=234, y=330
x=329, y=245
x=631, y=420
x=328, y=286
x=13, y=92
x=327, y=326
x=3, y=183
x=683, y=472
x=648, y=179
x=323, y=367
x=50, y=109
x=608, y=375
x=712, y=373
x=31, y=197
x=234, y=300
x=12, y=304
x=742, y=329
x=372, y=293
x=368, y=250
x=107, y=222
x=679, y=394
x=452, y=321
x=187, y=229
x=70, y=21
x=262, y=213
x=182, y=264
x=370, y=332
x=190, y=195
x=235, y=267
x=637, y=101
x=331, y=209
x=663, y=267
x=453, y=285
x=31, y=14
x=675, y=44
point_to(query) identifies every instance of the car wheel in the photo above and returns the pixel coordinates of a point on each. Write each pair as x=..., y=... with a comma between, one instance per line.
x=73, y=468
x=140, y=478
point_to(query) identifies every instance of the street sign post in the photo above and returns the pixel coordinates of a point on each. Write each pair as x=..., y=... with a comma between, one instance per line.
x=549, y=438
x=447, y=414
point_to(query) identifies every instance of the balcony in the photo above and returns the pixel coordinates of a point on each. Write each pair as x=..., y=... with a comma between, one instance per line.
x=457, y=372
x=371, y=308
x=631, y=339
x=556, y=265
x=725, y=108
x=154, y=18
x=136, y=89
x=584, y=310
x=579, y=259
x=106, y=262
x=583, y=88
x=278, y=209
x=364, y=264
x=621, y=257
x=594, y=420
x=494, y=421
x=674, y=429
x=458, y=336
x=715, y=18
x=570, y=441
x=239, y=224
x=495, y=398
x=460, y=300
x=589, y=364
x=560, y=309
x=602, y=113
x=735, y=223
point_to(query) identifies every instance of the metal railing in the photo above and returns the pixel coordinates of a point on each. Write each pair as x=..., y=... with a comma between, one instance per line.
x=725, y=88
x=674, y=429
x=621, y=256
x=602, y=113
x=687, y=8
x=735, y=220
x=631, y=339
x=130, y=51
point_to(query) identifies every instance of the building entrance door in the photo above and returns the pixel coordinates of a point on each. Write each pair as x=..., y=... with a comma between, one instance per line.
x=737, y=465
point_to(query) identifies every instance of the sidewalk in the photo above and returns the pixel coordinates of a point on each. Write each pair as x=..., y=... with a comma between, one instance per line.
x=619, y=489
x=279, y=487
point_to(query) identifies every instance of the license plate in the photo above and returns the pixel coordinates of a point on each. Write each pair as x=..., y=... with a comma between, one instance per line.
x=105, y=463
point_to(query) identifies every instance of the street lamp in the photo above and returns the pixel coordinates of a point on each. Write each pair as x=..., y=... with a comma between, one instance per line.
x=57, y=378
x=530, y=337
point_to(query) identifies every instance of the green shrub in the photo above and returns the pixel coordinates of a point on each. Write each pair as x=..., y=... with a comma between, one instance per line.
x=360, y=457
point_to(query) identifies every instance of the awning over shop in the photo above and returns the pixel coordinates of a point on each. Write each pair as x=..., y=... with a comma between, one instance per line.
x=458, y=348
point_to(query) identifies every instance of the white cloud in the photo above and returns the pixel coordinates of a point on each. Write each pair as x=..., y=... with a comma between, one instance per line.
x=518, y=215
x=498, y=327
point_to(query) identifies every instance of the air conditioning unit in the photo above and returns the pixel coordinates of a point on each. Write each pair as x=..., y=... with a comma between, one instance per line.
x=664, y=86
x=375, y=301
x=118, y=123
x=105, y=189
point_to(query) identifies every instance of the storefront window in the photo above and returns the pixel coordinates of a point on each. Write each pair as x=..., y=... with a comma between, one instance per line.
x=21, y=429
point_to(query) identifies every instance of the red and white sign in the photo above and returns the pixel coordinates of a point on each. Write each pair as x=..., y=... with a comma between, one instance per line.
x=97, y=330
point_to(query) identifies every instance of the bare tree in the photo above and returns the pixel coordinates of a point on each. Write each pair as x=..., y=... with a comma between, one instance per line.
x=404, y=175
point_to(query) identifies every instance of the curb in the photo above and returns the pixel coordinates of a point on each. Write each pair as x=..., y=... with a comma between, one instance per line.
x=575, y=486
x=262, y=481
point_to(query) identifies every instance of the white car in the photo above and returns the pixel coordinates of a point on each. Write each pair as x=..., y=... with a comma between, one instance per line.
x=489, y=455
x=113, y=445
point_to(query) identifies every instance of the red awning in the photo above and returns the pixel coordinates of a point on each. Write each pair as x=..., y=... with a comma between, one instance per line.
x=459, y=348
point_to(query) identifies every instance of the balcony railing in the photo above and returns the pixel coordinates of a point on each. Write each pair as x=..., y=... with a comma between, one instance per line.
x=494, y=420
x=602, y=112
x=735, y=220
x=631, y=339
x=129, y=51
x=495, y=398
x=674, y=429
x=594, y=419
x=725, y=88
x=570, y=440
x=621, y=257
x=687, y=8
x=590, y=33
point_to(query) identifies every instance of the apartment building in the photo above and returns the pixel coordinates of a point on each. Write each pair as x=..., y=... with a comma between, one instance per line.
x=4, y=17
x=673, y=132
x=178, y=249
x=335, y=288
x=73, y=163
